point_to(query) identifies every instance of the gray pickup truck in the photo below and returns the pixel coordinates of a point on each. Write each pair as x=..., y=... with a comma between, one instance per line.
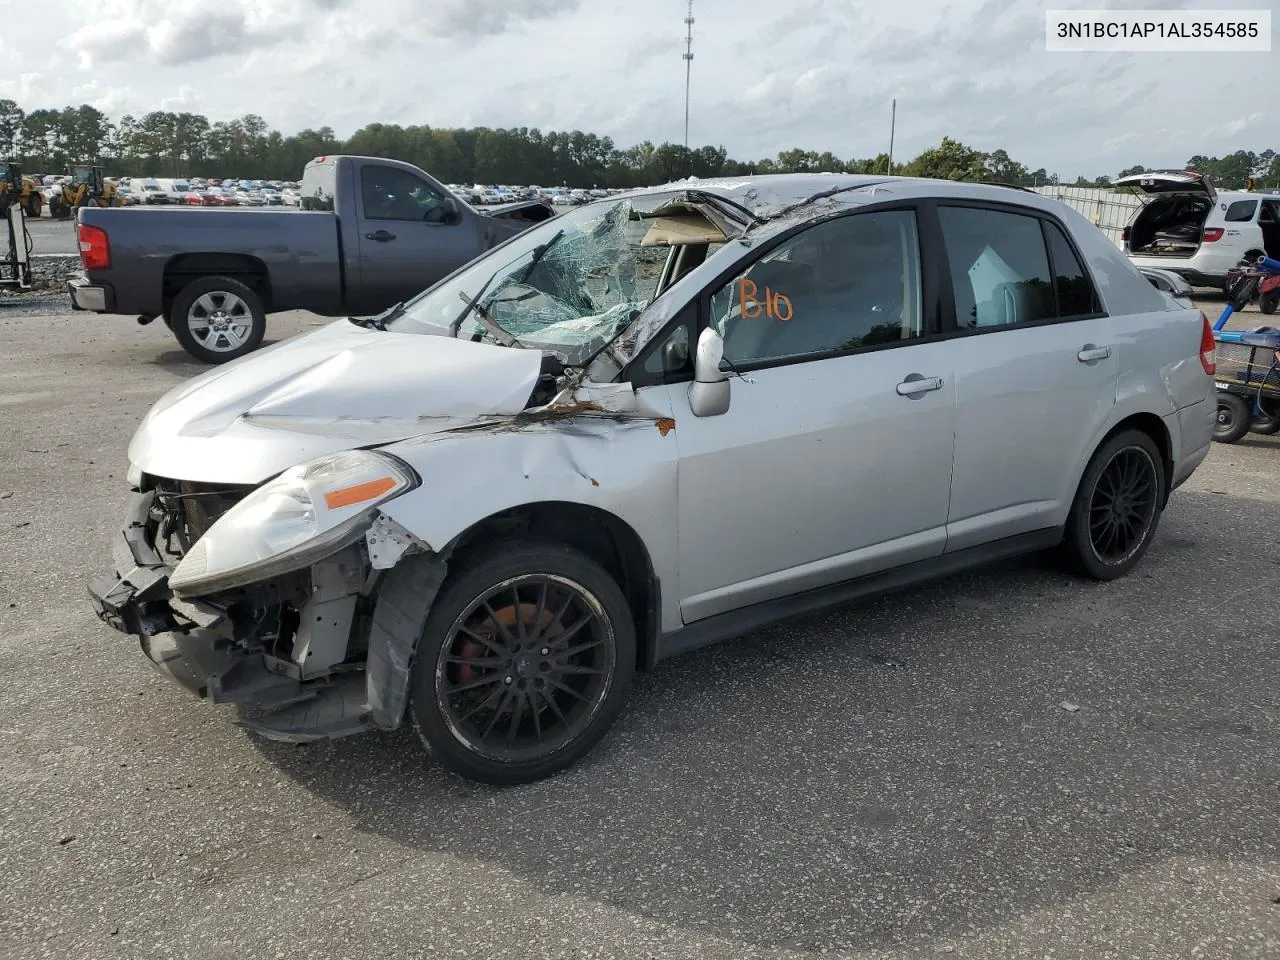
x=370, y=233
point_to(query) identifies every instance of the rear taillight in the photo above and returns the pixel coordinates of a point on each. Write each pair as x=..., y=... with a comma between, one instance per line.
x=95, y=252
x=1212, y=233
x=1207, y=346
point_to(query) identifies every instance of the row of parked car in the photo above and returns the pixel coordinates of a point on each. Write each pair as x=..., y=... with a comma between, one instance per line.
x=481, y=195
x=200, y=192
x=217, y=192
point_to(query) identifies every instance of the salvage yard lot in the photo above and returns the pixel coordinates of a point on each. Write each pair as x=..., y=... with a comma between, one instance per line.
x=897, y=778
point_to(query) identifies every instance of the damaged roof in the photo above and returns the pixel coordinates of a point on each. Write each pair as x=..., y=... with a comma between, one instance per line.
x=767, y=195
x=770, y=196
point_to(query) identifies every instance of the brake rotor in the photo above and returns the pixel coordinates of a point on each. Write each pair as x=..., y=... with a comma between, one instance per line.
x=492, y=627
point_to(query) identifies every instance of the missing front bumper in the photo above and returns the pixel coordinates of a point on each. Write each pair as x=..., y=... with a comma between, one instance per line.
x=134, y=599
x=194, y=643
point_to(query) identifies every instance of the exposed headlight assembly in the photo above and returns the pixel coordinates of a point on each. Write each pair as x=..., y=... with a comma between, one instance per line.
x=300, y=517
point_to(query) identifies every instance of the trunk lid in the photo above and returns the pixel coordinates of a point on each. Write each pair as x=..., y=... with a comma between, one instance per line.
x=1164, y=183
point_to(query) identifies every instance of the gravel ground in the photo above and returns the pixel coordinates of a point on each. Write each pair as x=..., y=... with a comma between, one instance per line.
x=894, y=779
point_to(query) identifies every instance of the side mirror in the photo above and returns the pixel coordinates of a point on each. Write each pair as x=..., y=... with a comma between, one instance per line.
x=709, y=392
x=446, y=212
x=675, y=354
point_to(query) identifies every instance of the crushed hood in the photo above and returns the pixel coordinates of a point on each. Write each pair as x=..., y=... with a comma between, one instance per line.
x=340, y=387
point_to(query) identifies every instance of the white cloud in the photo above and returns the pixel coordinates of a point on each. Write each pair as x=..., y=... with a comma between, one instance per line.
x=29, y=88
x=817, y=74
x=112, y=101
x=186, y=100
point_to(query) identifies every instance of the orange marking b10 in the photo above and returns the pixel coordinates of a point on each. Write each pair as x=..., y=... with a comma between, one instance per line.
x=775, y=305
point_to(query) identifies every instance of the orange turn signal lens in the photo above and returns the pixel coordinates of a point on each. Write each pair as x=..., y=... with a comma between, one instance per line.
x=349, y=496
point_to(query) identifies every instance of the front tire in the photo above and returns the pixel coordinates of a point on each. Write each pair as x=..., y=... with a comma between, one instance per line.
x=1233, y=419
x=523, y=664
x=1268, y=302
x=1117, y=507
x=218, y=319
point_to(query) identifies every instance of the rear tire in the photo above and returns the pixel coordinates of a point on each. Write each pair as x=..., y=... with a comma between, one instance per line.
x=1234, y=418
x=1117, y=507
x=218, y=319
x=523, y=663
x=1268, y=422
x=1268, y=302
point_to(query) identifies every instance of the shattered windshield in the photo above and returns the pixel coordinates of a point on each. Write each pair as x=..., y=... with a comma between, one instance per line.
x=566, y=287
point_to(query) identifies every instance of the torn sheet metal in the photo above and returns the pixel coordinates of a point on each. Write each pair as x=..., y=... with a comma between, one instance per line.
x=387, y=541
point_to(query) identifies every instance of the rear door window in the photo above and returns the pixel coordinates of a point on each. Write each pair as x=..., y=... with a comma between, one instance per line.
x=999, y=267
x=1241, y=211
x=1011, y=268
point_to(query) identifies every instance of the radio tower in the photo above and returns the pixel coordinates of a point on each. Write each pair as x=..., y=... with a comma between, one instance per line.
x=688, y=69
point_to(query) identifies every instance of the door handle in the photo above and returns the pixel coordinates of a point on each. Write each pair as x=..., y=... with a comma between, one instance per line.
x=381, y=236
x=1090, y=354
x=915, y=385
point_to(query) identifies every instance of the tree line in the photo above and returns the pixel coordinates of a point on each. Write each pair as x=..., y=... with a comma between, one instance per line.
x=163, y=143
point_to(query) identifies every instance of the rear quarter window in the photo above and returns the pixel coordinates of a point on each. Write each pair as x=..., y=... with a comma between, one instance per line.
x=1074, y=289
x=1241, y=211
x=318, y=183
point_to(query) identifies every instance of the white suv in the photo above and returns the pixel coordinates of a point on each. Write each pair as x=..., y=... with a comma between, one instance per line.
x=1189, y=228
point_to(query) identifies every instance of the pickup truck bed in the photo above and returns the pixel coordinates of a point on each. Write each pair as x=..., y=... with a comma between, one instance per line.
x=384, y=231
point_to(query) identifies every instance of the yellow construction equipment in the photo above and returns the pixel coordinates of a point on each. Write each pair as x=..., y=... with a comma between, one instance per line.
x=15, y=241
x=86, y=189
x=13, y=185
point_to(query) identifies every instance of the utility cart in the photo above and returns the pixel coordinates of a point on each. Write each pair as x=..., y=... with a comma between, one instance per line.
x=1248, y=362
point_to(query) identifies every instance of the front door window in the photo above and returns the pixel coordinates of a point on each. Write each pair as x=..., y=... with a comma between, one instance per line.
x=392, y=194
x=842, y=285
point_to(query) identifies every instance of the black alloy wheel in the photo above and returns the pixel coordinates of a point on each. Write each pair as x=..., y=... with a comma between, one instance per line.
x=1124, y=503
x=526, y=667
x=1117, y=507
x=531, y=667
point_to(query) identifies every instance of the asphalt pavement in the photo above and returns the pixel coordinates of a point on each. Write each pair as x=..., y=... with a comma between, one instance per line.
x=53, y=237
x=898, y=778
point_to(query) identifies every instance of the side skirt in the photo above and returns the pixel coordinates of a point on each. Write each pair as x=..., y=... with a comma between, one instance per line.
x=724, y=626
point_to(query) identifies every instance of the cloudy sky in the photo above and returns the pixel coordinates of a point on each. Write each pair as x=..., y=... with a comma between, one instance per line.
x=767, y=76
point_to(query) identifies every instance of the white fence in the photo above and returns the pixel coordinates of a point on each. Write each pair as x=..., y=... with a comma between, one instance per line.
x=1111, y=211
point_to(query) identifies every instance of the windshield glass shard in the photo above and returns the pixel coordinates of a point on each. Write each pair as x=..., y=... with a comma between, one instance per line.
x=566, y=287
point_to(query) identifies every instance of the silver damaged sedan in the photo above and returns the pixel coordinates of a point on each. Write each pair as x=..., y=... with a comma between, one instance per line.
x=653, y=422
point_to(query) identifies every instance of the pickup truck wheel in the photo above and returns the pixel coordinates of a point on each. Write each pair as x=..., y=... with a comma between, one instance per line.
x=217, y=319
